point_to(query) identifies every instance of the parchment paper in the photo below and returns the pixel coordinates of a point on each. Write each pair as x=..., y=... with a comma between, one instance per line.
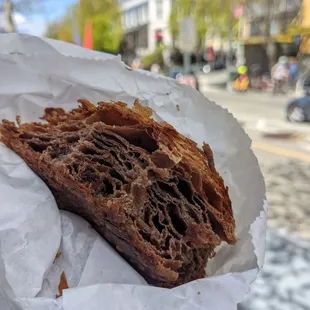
x=35, y=74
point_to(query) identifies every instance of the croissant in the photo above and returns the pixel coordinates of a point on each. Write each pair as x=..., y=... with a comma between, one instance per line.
x=151, y=192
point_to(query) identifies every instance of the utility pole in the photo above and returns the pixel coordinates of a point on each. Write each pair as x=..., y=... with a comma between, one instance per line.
x=270, y=45
x=230, y=35
x=8, y=11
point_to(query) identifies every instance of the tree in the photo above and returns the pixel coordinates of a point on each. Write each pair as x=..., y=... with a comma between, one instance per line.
x=173, y=24
x=52, y=30
x=8, y=11
x=156, y=57
x=209, y=15
x=200, y=14
x=179, y=10
x=105, y=18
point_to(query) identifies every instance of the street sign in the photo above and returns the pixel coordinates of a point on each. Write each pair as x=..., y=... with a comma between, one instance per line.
x=188, y=40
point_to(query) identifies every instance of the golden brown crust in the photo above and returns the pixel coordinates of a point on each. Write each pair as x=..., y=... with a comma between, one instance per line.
x=63, y=284
x=146, y=188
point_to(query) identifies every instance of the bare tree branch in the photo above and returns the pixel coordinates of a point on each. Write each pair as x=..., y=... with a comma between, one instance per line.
x=8, y=10
x=21, y=6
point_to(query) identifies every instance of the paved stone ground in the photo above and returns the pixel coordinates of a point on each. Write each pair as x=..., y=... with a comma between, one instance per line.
x=284, y=282
x=288, y=194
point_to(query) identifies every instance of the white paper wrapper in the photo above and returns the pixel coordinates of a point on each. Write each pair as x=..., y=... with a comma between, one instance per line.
x=35, y=74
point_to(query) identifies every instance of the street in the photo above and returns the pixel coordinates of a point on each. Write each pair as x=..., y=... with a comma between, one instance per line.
x=283, y=151
x=262, y=116
x=249, y=106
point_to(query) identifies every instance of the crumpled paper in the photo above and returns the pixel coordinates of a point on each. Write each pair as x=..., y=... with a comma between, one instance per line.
x=37, y=73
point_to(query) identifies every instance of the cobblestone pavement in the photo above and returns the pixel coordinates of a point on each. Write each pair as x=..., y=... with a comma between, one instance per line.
x=288, y=194
x=284, y=282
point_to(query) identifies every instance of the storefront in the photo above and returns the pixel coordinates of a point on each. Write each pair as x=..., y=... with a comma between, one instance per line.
x=257, y=50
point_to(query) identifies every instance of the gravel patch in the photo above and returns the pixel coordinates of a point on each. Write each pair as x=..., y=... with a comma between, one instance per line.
x=288, y=195
x=284, y=281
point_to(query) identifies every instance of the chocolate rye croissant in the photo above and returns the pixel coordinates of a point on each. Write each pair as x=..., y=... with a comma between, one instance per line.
x=144, y=187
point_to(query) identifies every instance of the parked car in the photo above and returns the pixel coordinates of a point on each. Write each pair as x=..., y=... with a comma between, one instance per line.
x=219, y=64
x=303, y=85
x=194, y=68
x=298, y=110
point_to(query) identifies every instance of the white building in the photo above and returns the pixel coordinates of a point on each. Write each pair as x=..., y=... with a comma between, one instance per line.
x=145, y=22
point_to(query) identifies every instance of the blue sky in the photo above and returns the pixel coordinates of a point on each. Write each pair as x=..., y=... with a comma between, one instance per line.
x=36, y=22
x=57, y=8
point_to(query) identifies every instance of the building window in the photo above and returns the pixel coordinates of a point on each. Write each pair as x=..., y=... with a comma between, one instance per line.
x=143, y=16
x=139, y=12
x=254, y=30
x=133, y=19
x=274, y=28
x=127, y=19
x=258, y=29
x=159, y=9
x=144, y=13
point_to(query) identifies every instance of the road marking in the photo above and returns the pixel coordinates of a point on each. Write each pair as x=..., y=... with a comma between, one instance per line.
x=281, y=151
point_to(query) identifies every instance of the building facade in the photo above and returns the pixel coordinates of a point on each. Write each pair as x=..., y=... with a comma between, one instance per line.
x=265, y=35
x=303, y=28
x=146, y=22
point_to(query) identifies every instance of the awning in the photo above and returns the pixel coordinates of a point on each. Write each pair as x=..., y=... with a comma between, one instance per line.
x=282, y=38
x=253, y=40
x=294, y=30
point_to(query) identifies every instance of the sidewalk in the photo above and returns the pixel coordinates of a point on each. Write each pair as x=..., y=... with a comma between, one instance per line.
x=257, y=117
x=284, y=282
x=220, y=87
x=217, y=82
x=274, y=126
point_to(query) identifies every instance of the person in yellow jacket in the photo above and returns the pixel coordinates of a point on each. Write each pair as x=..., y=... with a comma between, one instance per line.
x=242, y=81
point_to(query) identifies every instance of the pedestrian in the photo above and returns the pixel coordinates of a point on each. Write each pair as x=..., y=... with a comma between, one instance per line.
x=241, y=83
x=279, y=75
x=293, y=71
x=210, y=57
